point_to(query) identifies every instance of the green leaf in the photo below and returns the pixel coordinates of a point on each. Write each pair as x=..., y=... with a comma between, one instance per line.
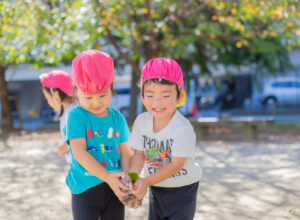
x=133, y=176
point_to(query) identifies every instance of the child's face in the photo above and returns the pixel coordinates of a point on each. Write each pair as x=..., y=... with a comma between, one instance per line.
x=54, y=104
x=95, y=104
x=161, y=100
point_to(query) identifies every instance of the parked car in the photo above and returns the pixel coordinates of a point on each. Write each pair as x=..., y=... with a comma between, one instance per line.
x=281, y=91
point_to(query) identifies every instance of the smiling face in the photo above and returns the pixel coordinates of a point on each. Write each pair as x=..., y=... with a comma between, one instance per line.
x=161, y=100
x=96, y=104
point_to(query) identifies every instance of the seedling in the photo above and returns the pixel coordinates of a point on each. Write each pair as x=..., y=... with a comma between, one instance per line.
x=130, y=200
x=133, y=176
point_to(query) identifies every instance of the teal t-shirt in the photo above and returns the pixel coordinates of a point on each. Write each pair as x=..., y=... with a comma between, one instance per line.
x=103, y=137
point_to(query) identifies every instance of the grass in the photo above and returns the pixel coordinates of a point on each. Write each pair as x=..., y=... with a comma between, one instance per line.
x=284, y=127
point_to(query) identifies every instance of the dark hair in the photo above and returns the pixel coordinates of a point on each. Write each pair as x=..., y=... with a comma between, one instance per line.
x=161, y=81
x=63, y=96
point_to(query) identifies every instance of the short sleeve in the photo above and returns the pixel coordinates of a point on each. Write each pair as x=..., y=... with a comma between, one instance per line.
x=136, y=140
x=124, y=130
x=184, y=142
x=75, y=126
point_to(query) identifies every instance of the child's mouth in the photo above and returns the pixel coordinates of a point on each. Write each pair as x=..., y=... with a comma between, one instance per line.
x=158, y=110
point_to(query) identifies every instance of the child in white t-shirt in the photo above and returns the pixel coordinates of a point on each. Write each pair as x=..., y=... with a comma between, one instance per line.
x=165, y=139
x=58, y=91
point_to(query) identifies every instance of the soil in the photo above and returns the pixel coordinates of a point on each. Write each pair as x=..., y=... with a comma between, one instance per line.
x=242, y=179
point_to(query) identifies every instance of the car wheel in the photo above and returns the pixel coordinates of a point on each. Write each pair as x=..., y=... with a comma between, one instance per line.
x=125, y=112
x=271, y=103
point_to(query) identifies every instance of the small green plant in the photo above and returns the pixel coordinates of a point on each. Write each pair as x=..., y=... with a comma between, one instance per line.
x=133, y=176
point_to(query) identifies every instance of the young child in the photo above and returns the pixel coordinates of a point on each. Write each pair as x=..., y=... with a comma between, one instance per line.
x=97, y=135
x=165, y=139
x=58, y=91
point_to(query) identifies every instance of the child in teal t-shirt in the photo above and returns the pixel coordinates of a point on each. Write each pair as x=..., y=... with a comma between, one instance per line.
x=97, y=135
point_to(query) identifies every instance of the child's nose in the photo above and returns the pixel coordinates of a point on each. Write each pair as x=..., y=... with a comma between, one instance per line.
x=96, y=104
x=157, y=100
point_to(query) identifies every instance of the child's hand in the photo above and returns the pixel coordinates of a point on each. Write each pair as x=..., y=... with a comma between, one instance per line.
x=126, y=179
x=113, y=180
x=130, y=200
x=61, y=150
x=140, y=188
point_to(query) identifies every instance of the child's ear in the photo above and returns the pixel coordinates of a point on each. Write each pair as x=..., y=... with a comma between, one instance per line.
x=181, y=98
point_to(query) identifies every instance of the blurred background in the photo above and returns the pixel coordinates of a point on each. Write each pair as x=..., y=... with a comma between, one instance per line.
x=241, y=66
x=239, y=58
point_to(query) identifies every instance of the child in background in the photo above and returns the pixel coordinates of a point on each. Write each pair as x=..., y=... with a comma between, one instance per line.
x=165, y=139
x=97, y=135
x=58, y=91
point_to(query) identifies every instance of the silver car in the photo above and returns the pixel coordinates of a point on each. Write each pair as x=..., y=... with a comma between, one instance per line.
x=281, y=91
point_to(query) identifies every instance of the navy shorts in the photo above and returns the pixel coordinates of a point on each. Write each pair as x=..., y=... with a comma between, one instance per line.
x=176, y=203
x=96, y=203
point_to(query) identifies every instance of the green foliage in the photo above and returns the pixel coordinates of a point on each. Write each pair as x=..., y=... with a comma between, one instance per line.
x=206, y=33
x=17, y=27
x=45, y=32
x=133, y=176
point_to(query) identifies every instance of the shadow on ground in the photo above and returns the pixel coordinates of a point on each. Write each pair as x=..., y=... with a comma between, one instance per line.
x=242, y=180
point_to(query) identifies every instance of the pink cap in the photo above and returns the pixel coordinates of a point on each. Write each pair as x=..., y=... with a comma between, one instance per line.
x=57, y=79
x=163, y=68
x=93, y=71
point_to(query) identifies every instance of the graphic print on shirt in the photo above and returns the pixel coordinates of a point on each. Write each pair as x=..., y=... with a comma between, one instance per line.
x=108, y=148
x=98, y=133
x=105, y=148
x=110, y=132
x=158, y=153
x=118, y=164
x=111, y=163
x=92, y=148
x=103, y=163
x=117, y=134
x=89, y=133
x=102, y=148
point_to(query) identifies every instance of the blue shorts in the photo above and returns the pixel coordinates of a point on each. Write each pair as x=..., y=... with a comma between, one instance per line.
x=176, y=203
x=97, y=202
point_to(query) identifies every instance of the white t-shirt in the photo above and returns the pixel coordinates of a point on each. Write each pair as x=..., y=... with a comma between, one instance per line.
x=62, y=123
x=177, y=139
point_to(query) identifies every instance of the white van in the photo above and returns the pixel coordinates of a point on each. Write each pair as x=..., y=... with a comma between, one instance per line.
x=281, y=91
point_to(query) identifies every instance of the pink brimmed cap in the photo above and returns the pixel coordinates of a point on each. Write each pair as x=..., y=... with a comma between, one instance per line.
x=93, y=71
x=163, y=68
x=57, y=79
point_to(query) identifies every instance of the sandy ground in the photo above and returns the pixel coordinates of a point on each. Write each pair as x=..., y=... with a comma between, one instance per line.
x=242, y=180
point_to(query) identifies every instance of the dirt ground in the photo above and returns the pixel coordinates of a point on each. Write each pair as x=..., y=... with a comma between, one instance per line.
x=241, y=180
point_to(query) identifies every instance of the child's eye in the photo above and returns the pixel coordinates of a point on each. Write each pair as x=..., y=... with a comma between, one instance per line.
x=166, y=96
x=88, y=98
x=149, y=96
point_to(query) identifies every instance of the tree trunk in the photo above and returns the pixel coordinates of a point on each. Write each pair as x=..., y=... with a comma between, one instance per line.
x=6, y=118
x=134, y=91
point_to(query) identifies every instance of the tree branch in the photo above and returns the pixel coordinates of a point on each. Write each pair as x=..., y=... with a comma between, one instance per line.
x=121, y=53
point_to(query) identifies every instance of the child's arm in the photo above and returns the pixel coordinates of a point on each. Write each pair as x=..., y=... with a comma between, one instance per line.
x=137, y=161
x=162, y=174
x=78, y=147
x=126, y=155
x=62, y=149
